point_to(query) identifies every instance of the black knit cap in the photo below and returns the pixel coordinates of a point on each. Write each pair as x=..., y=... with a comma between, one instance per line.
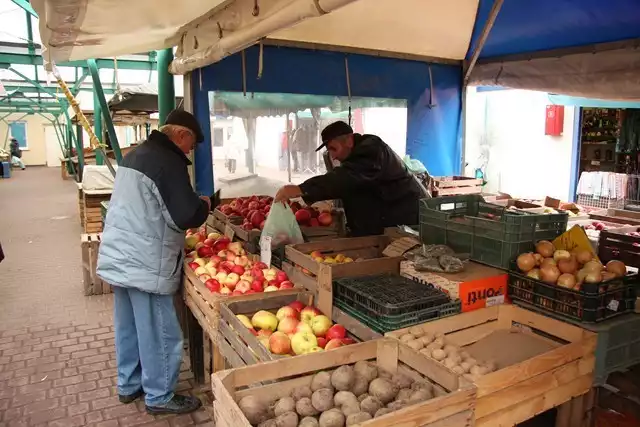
x=333, y=131
x=185, y=119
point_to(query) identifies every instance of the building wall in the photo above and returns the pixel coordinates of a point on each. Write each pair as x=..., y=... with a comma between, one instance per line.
x=36, y=153
x=505, y=132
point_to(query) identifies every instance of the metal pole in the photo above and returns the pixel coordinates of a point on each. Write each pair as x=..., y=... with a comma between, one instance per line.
x=166, y=89
x=97, y=123
x=483, y=39
x=99, y=92
x=288, y=140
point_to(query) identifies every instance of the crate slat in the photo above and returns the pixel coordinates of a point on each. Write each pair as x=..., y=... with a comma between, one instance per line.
x=89, y=246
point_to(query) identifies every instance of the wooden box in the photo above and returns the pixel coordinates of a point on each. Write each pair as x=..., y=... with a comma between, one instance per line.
x=455, y=185
x=318, y=277
x=92, y=215
x=453, y=408
x=80, y=204
x=522, y=390
x=93, y=285
x=620, y=216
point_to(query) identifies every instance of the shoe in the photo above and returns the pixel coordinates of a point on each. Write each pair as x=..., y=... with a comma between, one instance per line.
x=130, y=398
x=178, y=405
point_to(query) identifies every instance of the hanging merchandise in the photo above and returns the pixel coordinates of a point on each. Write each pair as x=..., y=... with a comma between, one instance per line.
x=602, y=189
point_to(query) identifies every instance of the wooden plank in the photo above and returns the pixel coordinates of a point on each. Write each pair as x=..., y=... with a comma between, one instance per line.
x=299, y=278
x=454, y=323
x=355, y=327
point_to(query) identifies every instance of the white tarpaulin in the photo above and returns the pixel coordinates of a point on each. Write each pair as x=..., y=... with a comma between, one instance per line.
x=97, y=179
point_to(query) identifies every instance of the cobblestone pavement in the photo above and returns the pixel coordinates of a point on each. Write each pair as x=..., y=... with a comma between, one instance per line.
x=57, y=355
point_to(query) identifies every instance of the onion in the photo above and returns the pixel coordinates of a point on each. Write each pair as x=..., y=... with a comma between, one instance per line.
x=593, y=277
x=548, y=261
x=593, y=265
x=534, y=274
x=583, y=256
x=538, y=258
x=549, y=274
x=617, y=267
x=561, y=254
x=526, y=262
x=580, y=275
x=567, y=280
x=545, y=248
x=568, y=265
x=607, y=275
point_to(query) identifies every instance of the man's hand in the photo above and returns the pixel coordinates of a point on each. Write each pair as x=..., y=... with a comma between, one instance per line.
x=208, y=200
x=287, y=192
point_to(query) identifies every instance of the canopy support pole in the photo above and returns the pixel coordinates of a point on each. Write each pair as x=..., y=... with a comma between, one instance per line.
x=493, y=14
x=99, y=92
x=166, y=89
x=97, y=124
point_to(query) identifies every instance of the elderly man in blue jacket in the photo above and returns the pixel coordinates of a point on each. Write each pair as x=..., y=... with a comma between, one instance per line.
x=141, y=255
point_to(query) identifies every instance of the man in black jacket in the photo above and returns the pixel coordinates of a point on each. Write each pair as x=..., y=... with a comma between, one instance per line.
x=16, y=154
x=375, y=186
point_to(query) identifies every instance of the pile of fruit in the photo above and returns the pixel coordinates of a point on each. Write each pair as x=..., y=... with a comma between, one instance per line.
x=436, y=347
x=310, y=216
x=346, y=396
x=224, y=267
x=567, y=269
x=253, y=210
x=295, y=329
x=331, y=259
x=596, y=225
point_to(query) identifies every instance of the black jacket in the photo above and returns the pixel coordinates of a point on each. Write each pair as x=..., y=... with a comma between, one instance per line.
x=375, y=186
x=15, y=149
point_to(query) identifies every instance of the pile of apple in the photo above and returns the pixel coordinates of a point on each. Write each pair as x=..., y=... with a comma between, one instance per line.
x=296, y=329
x=253, y=210
x=224, y=267
x=310, y=216
x=337, y=259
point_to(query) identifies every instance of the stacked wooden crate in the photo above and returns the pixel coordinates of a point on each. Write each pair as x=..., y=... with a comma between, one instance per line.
x=92, y=209
x=93, y=285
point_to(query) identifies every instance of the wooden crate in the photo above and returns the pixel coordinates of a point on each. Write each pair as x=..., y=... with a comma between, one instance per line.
x=453, y=408
x=318, y=277
x=80, y=204
x=616, y=244
x=518, y=392
x=93, y=285
x=215, y=223
x=455, y=185
x=620, y=216
x=92, y=217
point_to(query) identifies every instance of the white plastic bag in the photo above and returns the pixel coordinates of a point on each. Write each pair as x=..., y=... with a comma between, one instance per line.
x=281, y=227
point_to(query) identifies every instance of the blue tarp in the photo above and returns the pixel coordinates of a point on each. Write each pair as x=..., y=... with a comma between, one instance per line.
x=433, y=134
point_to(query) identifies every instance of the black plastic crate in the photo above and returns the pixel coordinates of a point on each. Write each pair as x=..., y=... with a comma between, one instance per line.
x=594, y=302
x=489, y=233
x=387, y=294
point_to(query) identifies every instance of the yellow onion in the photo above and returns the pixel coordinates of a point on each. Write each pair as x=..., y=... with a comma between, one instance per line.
x=549, y=274
x=617, y=268
x=526, y=262
x=545, y=248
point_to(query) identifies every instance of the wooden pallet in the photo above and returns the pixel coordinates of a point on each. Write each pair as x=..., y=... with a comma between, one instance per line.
x=93, y=285
x=452, y=408
x=92, y=216
x=455, y=185
x=520, y=391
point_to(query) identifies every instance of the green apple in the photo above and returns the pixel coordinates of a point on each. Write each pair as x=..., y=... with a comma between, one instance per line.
x=302, y=342
x=264, y=320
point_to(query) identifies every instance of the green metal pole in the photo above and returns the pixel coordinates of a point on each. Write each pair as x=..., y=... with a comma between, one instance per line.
x=97, y=123
x=166, y=90
x=111, y=130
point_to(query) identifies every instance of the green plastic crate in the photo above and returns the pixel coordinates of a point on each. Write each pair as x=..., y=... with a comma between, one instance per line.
x=488, y=233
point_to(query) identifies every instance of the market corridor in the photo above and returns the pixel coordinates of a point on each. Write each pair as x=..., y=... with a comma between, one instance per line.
x=57, y=357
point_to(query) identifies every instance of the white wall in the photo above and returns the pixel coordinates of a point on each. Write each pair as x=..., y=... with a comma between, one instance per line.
x=505, y=130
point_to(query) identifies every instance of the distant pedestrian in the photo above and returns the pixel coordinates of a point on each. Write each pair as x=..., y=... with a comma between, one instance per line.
x=1, y=253
x=16, y=154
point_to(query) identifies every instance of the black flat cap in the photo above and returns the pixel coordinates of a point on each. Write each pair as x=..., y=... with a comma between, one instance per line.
x=186, y=119
x=333, y=131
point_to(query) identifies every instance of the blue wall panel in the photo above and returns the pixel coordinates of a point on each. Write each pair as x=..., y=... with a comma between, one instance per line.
x=432, y=133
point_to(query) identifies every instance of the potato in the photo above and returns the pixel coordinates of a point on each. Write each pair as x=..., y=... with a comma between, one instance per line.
x=300, y=392
x=439, y=342
x=358, y=418
x=458, y=370
x=254, y=409
x=471, y=361
x=426, y=352
x=288, y=419
x=343, y=378
x=371, y=405
x=415, y=344
x=286, y=404
x=404, y=394
x=308, y=422
x=465, y=366
x=420, y=396
x=439, y=335
x=491, y=365
x=384, y=374
x=407, y=337
x=344, y=397
x=438, y=354
x=455, y=357
x=432, y=346
x=321, y=380
x=322, y=399
x=478, y=370
x=362, y=397
x=464, y=355
x=366, y=370
x=397, y=404
x=418, y=385
x=425, y=340
x=350, y=408
x=332, y=418
x=416, y=331
x=360, y=386
x=401, y=381
x=382, y=411
x=305, y=408
x=449, y=349
x=383, y=389
x=269, y=423
x=449, y=363
x=471, y=377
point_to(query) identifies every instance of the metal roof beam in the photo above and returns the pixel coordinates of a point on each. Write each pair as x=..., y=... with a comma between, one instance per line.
x=32, y=89
x=123, y=64
x=24, y=4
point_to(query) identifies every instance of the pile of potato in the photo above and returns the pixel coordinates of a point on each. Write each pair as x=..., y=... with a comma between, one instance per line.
x=346, y=396
x=436, y=347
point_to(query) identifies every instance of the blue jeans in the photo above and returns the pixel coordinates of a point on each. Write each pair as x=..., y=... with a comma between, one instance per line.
x=148, y=344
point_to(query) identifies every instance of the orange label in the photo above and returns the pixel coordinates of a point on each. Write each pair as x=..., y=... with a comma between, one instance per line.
x=483, y=293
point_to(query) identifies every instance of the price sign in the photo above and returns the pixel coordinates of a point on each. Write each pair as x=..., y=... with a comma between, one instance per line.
x=265, y=249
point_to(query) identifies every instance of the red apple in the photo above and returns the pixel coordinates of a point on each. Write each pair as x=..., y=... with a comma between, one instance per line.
x=334, y=343
x=281, y=276
x=286, y=285
x=336, y=331
x=274, y=283
x=195, y=265
x=264, y=332
x=257, y=273
x=288, y=325
x=308, y=313
x=236, y=293
x=257, y=285
x=238, y=269
x=257, y=218
x=298, y=305
x=243, y=286
x=208, y=242
x=325, y=219
x=322, y=342
x=279, y=343
x=213, y=285
x=347, y=341
x=205, y=252
x=313, y=222
x=228, y=265
x=261, y=265
x=215, y=260
x=303, y=216
x=287, y=311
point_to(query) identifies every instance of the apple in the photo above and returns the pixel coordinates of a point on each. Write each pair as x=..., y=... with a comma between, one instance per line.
x=200, y=270
x=261, y=265
x=320, y=325
x=213, y=285
x=304, y=328
x=279, y=343
x=194, y=265
x=287, y=311
x=286, y=285
x=225, y=291
x=281, y=276
x=223, y=254
x=271, y=272
x=193, y=255
x=288, y=325
x=238, y=269
x=250, y=291
x=244, y=320
x=301, y=342
x=322, y=342
x=214, y=236
x=208, y=242
x=274, y=283
x=205, y=252
x=264, y=333
x=264, y=341
x=201, y=262
x=270, y=289
x=257, y=273
x=334, y=343
x=221, y=277
x=191, y=241
x=316, y=254
x=314, y=350
x=347, y=341
x=215, y=260
x=243, y=286
x=336, y=331
x=265, y=320
x=325, y=219
x=257, y=286
x=298, y=305
x=198, y=245
x=231, y=257
x=236, y=293
x=232, y=280
x=204, y=277
x=308, y=313
x=241, y=260
x=211, y=271
x=235, y=248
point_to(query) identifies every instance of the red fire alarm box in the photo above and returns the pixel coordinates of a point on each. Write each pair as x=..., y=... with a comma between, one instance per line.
x=554, y=121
